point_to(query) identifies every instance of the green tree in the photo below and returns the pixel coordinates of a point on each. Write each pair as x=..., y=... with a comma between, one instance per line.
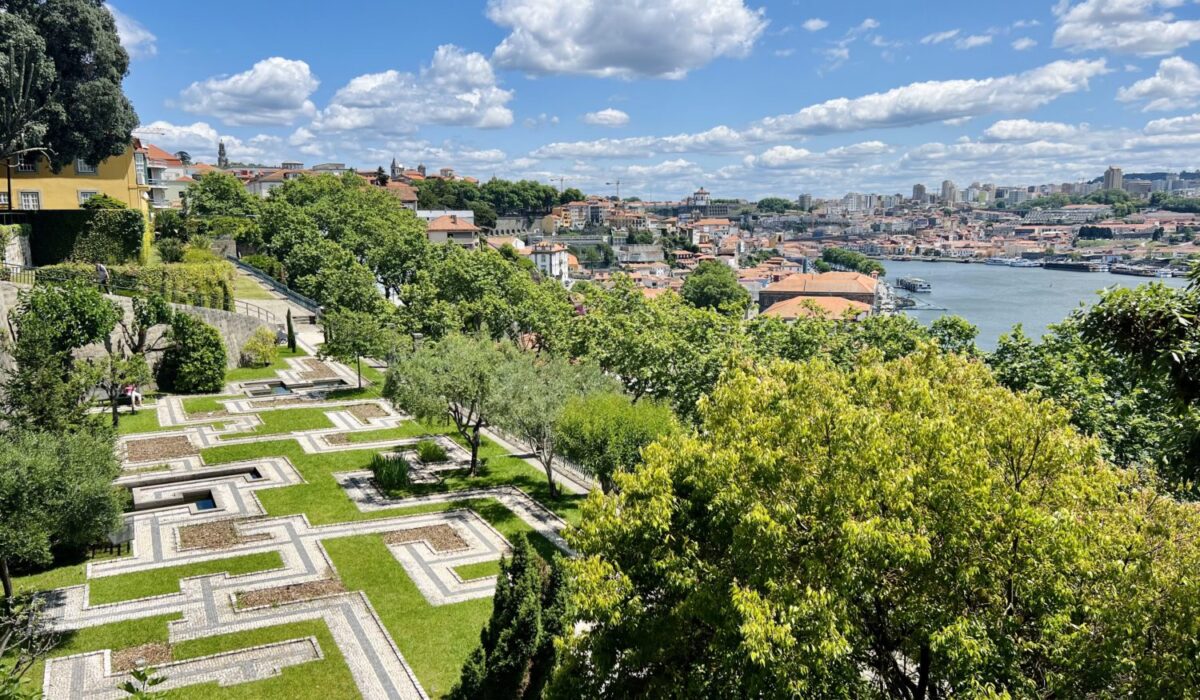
x=714, y=285
x=537, y=389
x=775, y=205
x=291, y=331
x=954, y=334
x=605, y=433
x=118, y=371
x=25, y=638
x=457, y=376
x=55, y=491
x=147, y=313
x=170, y=224
x=903, y=529
x=516, y=648
x=101, y=201
x=571, y=194
x=217, y=193
x=82, y=113
x=47, y=388
x=26, y=87
x=353, y=335
x=194, y=362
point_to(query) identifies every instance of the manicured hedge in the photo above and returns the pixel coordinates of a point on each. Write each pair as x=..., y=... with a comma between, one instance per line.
x=109, y=236
x=196, y=284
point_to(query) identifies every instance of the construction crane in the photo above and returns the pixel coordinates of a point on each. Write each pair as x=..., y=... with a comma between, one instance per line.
x=618, y=185
x=561, y=183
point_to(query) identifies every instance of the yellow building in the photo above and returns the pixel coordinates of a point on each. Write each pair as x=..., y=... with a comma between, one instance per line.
x=35, y=186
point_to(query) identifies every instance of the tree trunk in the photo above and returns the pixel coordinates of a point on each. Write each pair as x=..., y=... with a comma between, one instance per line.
x=475, y=449
x=923, y=665
x=548, y=465
x=6, y=579
x=358, y=361
x=113, y=401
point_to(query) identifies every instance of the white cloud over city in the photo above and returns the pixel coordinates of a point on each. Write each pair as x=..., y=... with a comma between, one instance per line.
x=273, y=91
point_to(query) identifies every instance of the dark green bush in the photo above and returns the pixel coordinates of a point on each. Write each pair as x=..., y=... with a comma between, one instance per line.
x=171, y=250
x=390, y=472
x=266, y=263
x=194, y=363
x=195, y=284
x=109, y=236
x=430, y=452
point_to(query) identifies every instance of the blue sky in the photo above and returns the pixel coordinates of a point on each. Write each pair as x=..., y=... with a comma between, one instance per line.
x=747, y=99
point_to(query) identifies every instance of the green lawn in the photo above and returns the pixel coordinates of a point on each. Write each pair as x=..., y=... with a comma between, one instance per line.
x=144, y=421
x=245, y=287
x=472, y=571
x=247, y=374
x=329, y=677
x=287, y=420
x=142, y=584
x=206, y=404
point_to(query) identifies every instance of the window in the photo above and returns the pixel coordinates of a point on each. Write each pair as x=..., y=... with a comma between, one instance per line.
x=85, y=195
x=4, y=200
x=139, y=163
x=26, y=163
x=83, y=168
x=31, y=200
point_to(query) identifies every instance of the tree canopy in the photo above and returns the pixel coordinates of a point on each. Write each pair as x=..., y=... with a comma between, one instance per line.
x=82, y=113
x=714, y=285
x=902, y=529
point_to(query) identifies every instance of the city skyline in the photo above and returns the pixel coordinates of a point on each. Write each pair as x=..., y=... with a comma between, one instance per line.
x=665, y=97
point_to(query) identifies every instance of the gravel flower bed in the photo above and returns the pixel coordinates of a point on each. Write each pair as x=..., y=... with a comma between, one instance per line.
x=152, y=654
x=367, y=411
x=291, y=593
x=317, y=370
x=220, y=534
x=205, y=415
x=442, y=538
x=159, y=449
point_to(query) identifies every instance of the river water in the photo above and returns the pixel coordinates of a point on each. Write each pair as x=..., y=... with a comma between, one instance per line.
x=996, y=298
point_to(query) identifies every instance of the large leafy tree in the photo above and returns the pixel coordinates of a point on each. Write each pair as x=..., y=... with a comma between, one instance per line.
x=353, y=335
x=217, y=193
x=84, y=113
x=714, y=285
x=902, y=529
x=537, y=389
x=604, y=433
x=458, y=377
x=55, y=490
x=26, y=85
x=48, y=389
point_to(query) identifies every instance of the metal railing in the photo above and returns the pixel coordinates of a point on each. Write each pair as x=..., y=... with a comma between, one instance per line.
x=247, y=309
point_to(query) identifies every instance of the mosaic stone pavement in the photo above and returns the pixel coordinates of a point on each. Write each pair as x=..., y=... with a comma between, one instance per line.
x=183, y=491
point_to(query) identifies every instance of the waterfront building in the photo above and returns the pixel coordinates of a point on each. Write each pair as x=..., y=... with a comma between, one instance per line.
x=854, y=286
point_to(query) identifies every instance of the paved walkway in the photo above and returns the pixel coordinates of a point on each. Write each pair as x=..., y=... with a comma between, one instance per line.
x=168, y=499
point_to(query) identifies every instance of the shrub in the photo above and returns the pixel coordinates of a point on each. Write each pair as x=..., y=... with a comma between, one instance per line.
x=430, y=452
x=194, y=363
x=266, y=263
x=171, y=250
x=170, y=224
x=196, y=284
x=109, y=236
x=102, y=201
x=261, y=350
x=390, y=472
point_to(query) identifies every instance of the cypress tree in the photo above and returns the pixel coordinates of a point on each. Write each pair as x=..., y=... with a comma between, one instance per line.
x=291, y=332
x=516, y=648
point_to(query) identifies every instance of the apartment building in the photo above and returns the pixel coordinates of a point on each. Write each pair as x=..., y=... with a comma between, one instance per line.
x=28, y=184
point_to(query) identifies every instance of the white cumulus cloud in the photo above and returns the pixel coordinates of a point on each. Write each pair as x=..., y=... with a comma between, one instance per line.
x=606, y=117
x=274, y=91
x=815, y=24
x=1026, y=130
x=1176, y=85
x=456, y=89
x=138, y=41
x=1024, y=43
x=622, y=38
x=1144, y=27
x=200, y=139
x=973, y=41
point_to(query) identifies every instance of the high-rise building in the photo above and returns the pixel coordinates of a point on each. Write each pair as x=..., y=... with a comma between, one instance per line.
x=949, y=192
x=1113, y=178
x=919, y=193
x=805, y=201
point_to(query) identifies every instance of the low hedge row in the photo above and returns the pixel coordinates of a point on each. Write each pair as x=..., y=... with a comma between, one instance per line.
x=207, y=284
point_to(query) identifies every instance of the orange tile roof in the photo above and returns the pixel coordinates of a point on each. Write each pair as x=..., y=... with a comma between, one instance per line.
x=157, y=153
x=405, y=192
x=826, y=282
x=450, y=223
x=816, y=307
